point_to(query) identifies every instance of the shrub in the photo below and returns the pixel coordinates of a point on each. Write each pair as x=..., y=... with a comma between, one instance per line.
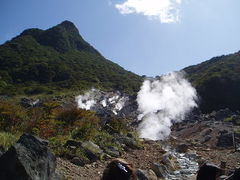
x=119, y=125
x=7, y=140
x=12, y=117
x=83, y=123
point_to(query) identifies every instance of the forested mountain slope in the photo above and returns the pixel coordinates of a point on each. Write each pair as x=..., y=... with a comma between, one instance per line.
x=58, y=59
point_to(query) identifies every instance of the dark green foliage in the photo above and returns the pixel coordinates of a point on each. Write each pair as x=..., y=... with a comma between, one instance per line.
x=217, y=82
x=58, y=59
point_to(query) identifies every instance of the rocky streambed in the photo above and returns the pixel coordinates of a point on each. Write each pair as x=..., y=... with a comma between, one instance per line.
x=185, y=163
x=188, y=166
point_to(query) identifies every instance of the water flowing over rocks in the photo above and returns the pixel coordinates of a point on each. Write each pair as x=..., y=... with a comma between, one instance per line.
x=180, y=166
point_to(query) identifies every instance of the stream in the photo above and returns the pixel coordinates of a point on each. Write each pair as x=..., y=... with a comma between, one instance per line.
x=187, y=163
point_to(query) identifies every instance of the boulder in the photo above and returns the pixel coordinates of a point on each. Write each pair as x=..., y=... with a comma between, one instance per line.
x=206, y=139
x=141, y=174
x=151, y=175
x=168, y=162
x=129, y=142
x=182, y=148
x=92, y=151
x=225, y=140
x=146, y=175
x=28, y=159
x=77, y=161
x=208, y=172
x=159, y=169
x=72, y=143
x=207, y=131
x=112, y=151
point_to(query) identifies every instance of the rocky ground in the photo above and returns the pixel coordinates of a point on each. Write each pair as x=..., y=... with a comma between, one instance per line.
x=208, y=139
x=200, y=138
x=140, y=158
x=211, y=137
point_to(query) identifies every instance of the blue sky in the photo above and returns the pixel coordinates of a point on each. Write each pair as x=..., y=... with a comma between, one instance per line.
x=148, y=37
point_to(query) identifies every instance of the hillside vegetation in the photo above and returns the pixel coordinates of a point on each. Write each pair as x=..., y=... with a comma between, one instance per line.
x=58, y=59
x=217, y=82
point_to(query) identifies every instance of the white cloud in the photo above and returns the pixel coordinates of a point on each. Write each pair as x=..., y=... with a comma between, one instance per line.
x=167, y=11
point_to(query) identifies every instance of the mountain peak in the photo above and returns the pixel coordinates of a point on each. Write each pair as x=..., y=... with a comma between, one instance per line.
x=67, y=23
x=62, y=37
x=69, y=26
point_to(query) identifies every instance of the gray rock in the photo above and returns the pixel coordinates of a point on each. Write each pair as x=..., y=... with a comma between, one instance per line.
x=129, y=142
x=141, y=175
x=206, y=139
x=92, y=151
x=77, y=161
x=28, y=159
x=112, y=151
x=73, y=143
x=159, y=169
x=225, y=140
x=207, y=131
x=146, y=175
x=182, y=148
x=166, y=160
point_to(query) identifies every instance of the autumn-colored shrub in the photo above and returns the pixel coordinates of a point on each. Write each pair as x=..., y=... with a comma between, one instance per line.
x=82, y=124
x=57, y=124
x=12, y=117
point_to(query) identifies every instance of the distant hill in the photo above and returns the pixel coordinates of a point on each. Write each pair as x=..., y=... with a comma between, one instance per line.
x=217, y=82
x=58, y=59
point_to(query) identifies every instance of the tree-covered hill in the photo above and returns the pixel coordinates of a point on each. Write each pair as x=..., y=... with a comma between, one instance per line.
x=58, y=59
x=217, y=82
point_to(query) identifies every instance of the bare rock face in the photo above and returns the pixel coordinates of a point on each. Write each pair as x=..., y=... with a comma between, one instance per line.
x=28, y=159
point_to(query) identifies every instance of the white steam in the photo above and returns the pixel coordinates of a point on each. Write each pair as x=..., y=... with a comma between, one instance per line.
x=164, y=101
x=95, y=100
x=87, y=101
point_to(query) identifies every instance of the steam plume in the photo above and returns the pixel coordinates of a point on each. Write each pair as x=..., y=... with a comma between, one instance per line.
x=95, y=100
x=164, y=101
x=87, y=101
